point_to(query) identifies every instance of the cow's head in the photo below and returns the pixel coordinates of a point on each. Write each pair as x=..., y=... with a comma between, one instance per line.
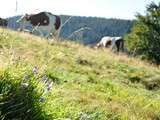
x=98, y=45
x=24, y=18
x=23, y=21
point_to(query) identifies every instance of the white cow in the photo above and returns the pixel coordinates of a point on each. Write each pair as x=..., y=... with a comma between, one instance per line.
x=111, y=42
x=45, y=23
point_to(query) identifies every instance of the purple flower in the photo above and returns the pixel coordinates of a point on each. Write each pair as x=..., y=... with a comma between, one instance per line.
x=26, y=77
x=35, y=70
x=49, y=86
x=44, y=78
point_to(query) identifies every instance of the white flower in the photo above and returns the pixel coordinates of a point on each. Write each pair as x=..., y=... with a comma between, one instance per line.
x=42, y=99
x=24, y=85
x=84, y=116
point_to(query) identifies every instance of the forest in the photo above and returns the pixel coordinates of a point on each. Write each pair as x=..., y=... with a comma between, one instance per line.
x=87, y=30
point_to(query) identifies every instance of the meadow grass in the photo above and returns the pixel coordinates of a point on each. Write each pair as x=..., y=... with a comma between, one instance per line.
x=88, y=84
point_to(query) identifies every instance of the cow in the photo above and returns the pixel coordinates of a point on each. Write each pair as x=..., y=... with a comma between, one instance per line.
x=45, y=23
x=3, y=22
x=111, y=42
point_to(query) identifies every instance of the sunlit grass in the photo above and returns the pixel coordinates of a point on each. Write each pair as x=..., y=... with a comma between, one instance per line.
x=88, y=84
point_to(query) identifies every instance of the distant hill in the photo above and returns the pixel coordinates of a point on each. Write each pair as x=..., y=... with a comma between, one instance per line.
x=12, y=22
x=87, y=30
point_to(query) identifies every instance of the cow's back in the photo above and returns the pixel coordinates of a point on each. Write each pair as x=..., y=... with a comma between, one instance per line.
x=105, y=41
x=40, y=19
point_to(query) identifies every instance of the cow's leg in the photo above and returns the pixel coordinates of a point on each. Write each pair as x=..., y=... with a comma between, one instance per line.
x=122, y=45
x=113, y=43
x=118, y=48
x=118, y=45
x=38, y=31
x=54, y=33
x=22, y=26
x=47, y=30
x=48, y=36
x=41, y=33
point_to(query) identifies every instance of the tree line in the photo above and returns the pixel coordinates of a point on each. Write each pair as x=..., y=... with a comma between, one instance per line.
x=89, y=30
x=86, y=30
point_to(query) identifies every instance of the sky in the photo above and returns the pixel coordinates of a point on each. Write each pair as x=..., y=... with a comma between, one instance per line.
x=123, y=9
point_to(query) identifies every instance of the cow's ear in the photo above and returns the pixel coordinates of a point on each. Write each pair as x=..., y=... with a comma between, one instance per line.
x=27, y=16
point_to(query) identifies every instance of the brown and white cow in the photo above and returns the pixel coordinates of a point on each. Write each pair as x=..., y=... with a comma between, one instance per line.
x=45, y=23
x=3, y=22
x=111, y=42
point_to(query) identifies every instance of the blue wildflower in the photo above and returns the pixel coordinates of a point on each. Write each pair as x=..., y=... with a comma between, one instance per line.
x=44, y=78
x=35, y=70
x=49, y=86
x=26, y=77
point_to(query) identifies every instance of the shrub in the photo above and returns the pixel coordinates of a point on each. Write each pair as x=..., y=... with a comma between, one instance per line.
x=145, y=36
x=21, y=98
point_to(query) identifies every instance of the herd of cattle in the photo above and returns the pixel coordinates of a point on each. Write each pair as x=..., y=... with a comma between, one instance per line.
x=48, y=25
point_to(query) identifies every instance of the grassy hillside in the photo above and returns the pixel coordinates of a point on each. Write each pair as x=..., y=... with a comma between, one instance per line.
x=87, y=84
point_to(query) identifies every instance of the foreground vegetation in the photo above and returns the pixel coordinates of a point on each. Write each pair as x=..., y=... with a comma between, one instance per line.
x=42, y=79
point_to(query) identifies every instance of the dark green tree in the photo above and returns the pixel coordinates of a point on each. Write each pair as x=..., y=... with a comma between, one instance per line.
x=145, y=36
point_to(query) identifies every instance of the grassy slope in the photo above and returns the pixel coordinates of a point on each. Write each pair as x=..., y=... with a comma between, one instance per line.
x=90, y=84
